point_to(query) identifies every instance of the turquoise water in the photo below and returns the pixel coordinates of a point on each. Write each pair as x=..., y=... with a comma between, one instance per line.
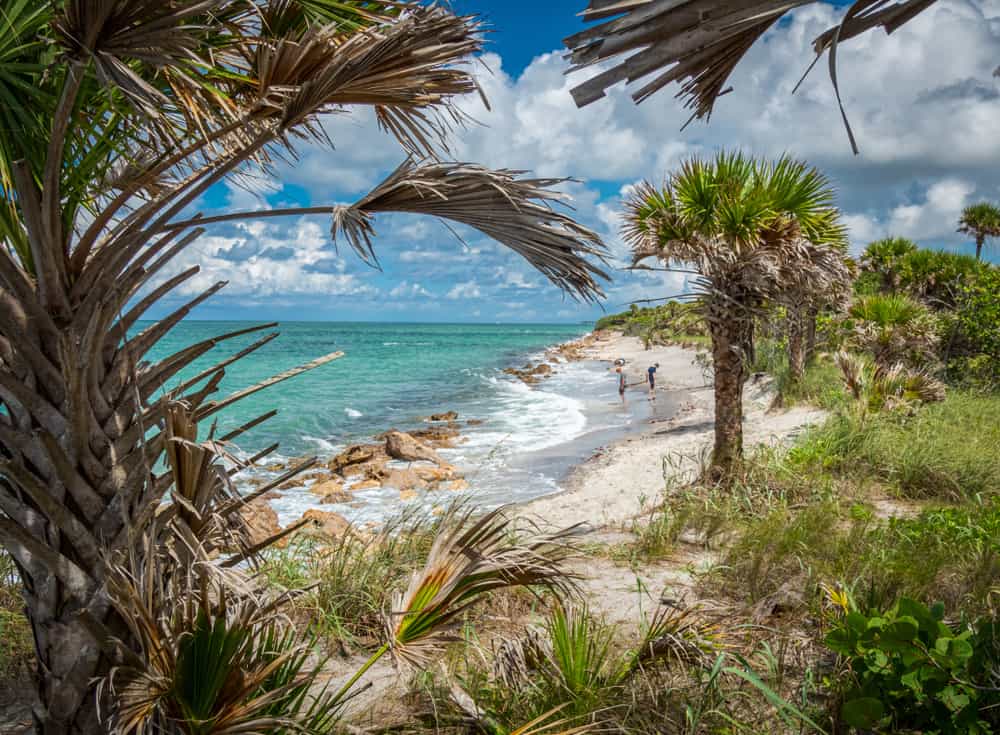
x=389, y=373
x=393, y=375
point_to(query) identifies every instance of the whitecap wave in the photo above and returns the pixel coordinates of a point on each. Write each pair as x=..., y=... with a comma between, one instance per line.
x=353, y=413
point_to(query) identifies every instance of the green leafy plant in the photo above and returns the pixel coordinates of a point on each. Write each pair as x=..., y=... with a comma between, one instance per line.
x=909, y=670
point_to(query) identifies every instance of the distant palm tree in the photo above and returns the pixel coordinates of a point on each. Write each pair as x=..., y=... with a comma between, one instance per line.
x=754, y=231
x=981, y=221
x=700, y=42
x=116, y=118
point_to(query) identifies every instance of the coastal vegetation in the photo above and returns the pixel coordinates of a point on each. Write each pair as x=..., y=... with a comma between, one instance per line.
x=853, y=575
x=119, y=513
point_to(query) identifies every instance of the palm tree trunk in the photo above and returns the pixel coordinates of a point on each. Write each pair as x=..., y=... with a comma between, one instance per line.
x=811, y=315
x=727, y=340
x=979, y=246
x=68, y=663
x=796, y=344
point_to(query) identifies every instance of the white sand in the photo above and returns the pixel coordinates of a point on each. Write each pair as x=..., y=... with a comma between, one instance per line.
x=617, y=483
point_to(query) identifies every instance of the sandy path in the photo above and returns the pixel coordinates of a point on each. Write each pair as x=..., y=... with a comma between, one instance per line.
x=615, y=485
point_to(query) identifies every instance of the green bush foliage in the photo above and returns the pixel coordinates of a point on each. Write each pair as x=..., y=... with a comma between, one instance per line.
x=977, y=331
x=909, y=670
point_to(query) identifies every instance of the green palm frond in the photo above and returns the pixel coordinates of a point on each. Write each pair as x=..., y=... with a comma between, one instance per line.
x=469, y=559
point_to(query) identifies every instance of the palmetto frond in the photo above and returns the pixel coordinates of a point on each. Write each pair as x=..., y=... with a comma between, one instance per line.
x=700, y=42
x=469, y=559
x=215, y=655
x=881, y=387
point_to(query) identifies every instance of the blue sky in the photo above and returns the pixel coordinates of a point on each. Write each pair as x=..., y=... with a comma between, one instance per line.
x=925, y=113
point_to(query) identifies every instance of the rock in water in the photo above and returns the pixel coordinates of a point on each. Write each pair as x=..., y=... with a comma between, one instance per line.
x=261, y=522
x=446, y=416
x=400, y=445
x=327, y=523
x=330, y=491
x=354, y=455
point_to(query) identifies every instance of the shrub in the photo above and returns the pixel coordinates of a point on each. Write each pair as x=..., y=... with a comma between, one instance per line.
x=893, y=329
x=937, y=277
x=977, y=325
x=908, y=670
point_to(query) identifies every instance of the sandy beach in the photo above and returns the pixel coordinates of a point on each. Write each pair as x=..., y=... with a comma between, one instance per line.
x=615, y=484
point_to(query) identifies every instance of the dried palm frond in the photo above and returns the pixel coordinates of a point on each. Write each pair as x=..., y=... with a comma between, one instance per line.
x=880, y=387
x=676, y=635
x=409, y=70
x=700, y=42
x=513, y=211
x=853, y=367
x=516, y=659
x=469, y=559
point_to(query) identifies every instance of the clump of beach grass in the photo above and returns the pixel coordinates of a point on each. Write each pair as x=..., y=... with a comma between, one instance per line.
x=944, y=451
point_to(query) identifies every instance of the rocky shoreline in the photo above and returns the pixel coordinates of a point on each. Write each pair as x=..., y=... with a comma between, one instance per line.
x=404, y=461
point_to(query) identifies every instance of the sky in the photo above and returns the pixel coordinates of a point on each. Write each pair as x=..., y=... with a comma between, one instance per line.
x=924, y=104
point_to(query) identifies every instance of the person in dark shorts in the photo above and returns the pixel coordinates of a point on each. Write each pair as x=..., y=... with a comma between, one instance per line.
x=621, y=381
x=651, y=379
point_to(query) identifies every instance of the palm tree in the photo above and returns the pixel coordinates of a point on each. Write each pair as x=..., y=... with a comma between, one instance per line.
x=745, y=226
x=826, y=283
x=700, y=42
x=116, y=118
x=981, y=221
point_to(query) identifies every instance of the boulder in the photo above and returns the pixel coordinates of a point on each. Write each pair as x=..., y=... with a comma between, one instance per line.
x=407, y=494
x=446, y=416
x=474, y=422
x=327, y=523
x=458, y=484
x=437, y=436
x=400, y=445
x=437, y=475
x=353, y=456
x=294, y=482
x=261, y=521
x=369, y=484
x=408, y=479
x=330, y=491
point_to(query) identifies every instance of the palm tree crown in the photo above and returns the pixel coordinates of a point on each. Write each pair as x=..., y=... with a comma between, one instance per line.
x=980, y=220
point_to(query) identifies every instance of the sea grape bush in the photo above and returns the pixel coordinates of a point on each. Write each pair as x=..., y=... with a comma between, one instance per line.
x=909, y=670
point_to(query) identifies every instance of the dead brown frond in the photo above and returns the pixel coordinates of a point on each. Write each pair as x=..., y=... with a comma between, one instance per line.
x=700, y=42
x=408, y=68
x=677, y=636
x=514, y=211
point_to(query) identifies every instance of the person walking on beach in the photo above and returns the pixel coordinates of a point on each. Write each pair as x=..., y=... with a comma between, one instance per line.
x=651, y=379
x=620, y=369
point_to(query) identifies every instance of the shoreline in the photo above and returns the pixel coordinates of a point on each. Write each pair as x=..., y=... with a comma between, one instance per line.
x=630, y=476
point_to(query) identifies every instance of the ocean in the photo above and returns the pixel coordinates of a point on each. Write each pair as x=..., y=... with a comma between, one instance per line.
x=394, y=375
